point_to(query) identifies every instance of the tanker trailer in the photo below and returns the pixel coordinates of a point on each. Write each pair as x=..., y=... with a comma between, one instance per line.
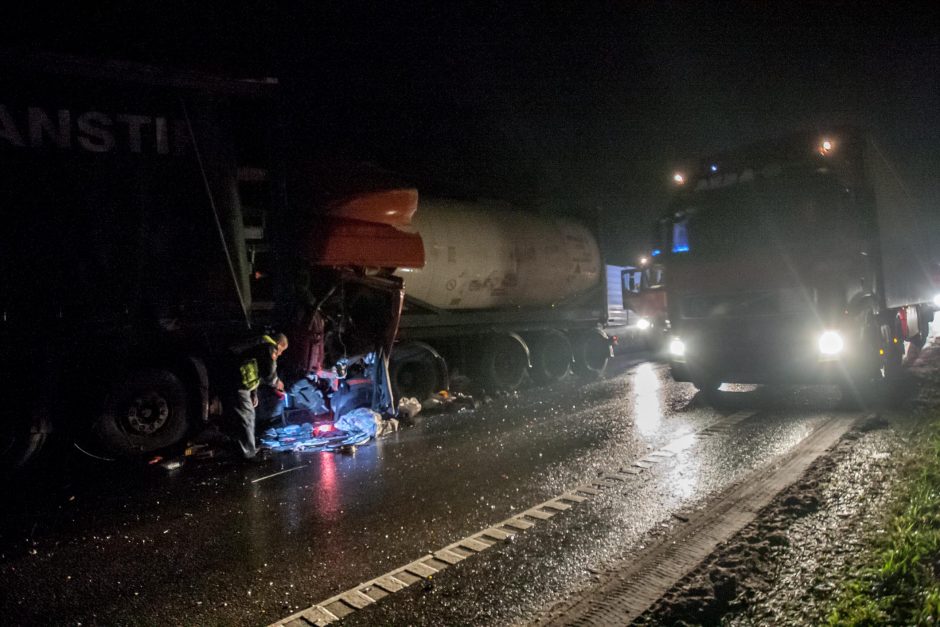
x=504, y=295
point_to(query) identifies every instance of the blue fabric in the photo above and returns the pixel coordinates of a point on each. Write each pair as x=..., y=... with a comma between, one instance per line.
x=360, y=420
x=352, y=429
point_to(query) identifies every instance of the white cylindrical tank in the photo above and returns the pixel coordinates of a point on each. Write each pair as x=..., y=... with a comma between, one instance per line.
x=483, y=257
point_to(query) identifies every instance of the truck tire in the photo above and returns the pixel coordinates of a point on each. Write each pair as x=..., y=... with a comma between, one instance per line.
x=924, y=318
x=708, y=389
x=592, y=350
x=145, y=412
x=551, y=357
x=706, y=385
x=503, y=362
x=877, y=380
x=416, y=370
x=892, y=365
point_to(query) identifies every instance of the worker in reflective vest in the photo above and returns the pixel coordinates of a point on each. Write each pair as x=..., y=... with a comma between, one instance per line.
x=256, y=366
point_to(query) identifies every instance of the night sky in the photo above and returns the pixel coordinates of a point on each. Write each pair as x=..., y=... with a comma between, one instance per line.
x=580, y=108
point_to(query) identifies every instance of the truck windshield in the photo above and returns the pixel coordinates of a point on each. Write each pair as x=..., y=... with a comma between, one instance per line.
x=789, y=211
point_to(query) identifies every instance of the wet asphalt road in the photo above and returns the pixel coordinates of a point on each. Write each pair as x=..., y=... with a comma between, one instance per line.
x=215, y=543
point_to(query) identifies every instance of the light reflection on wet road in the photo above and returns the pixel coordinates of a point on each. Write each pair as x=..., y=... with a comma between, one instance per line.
x=208, y=546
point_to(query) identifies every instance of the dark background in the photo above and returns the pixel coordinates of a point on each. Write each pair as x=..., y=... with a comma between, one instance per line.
x=580, y=108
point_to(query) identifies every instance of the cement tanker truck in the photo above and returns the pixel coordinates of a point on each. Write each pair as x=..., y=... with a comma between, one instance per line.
x=505, y=296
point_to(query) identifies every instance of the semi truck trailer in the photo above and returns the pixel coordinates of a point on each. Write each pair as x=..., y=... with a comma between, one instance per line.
x=150, y=222
x=799, y=260
x=505, y=296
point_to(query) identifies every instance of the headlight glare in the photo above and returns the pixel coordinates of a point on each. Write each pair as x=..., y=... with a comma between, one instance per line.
x=643, y=324
x=830, y=343
x=677, y=347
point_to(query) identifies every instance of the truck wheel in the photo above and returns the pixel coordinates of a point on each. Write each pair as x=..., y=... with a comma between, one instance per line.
x=503, y=362
x=879, y=380
x=591, y=352
x=551, y=357
x=893, y=357
x=706, y=386
x=143, y=413
x=924, y=318
x=416, y=370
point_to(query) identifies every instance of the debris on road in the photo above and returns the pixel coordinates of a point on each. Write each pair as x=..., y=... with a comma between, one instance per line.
x=445, y=401
x=352, y=429
x=409, y=407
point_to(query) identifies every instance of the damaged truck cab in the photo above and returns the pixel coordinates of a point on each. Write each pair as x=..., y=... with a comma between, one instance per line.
x=150, y=222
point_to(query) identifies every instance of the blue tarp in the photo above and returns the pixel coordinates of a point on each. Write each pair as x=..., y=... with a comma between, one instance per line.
x=353, y=428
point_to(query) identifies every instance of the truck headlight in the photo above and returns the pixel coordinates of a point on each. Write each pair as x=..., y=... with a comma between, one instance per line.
x=936, y=300
x=643, y=324
x=677, y=347
x=830, y=343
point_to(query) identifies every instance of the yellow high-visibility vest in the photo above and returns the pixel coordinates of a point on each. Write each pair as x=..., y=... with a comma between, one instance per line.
x=251, y=377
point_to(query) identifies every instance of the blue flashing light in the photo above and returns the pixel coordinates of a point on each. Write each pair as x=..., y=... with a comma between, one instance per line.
x=656, y=252
x=680, y=236
x=713, y=167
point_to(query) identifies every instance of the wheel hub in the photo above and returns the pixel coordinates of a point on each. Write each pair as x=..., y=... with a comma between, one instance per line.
x=146, y=414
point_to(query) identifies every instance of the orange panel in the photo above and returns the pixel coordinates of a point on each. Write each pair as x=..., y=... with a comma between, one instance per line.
x=394, y=207
x=344, y=242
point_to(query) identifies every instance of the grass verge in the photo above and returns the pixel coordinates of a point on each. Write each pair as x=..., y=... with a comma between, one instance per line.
x=900, y=581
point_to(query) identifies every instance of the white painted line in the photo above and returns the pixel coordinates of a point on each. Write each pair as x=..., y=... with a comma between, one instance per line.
x=535, y=513
x=357, y=599
x=319, y=616
x=389, y=583
x=496, y=534
x=518, y=523
x=421, y=569
x=588, y=490
x=354, y=598
x=449, y=557
x=473, y=544
x=278, y=473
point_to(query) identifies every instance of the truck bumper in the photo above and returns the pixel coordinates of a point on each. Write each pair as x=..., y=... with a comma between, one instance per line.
x=780, y=357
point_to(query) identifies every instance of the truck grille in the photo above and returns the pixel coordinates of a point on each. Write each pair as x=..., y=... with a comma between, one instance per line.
x=742, y=304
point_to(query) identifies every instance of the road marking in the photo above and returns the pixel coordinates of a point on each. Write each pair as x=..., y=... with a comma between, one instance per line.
x=358, y=597
x=538, y=514
x=497, y=534
x=420, y=568
x=474, y=545
x=638, y=582
x=278, y=473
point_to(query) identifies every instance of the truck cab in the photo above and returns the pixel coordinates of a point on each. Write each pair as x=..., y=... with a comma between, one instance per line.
x=794, y=261
x=644, y=293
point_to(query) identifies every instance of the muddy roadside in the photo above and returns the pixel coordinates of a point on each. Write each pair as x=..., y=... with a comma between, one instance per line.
x=789, y=565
